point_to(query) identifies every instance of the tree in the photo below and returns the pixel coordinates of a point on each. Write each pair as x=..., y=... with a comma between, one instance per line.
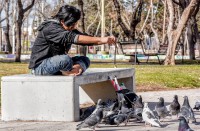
x=136, y=18
x=82, y=49
x=20, y=16
x=1, y=8
x=7, y=36
x=192, y=28
x=174, y=32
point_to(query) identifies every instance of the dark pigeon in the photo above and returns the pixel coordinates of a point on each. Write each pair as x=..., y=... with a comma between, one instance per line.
x=94, y=119
x=138, y=108
x=197, y=105
x=183, y=125
x=138, y=103
x=174, y=107
x=161, y=109
x=187, y=111
x=124, y=108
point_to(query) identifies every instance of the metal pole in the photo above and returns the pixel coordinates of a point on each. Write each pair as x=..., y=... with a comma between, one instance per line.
x=115, y=55
x=136, y=52
x=1, y=38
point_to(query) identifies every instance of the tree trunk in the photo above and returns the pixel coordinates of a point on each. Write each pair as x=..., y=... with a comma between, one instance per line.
x=21, y=12
x=120, y=19
x=0, y=33
x=191, y=38
x=8, y=45
x=174, y=34
x=196, y=32
x=18, y=37
x=82, y=49
x=136, y=18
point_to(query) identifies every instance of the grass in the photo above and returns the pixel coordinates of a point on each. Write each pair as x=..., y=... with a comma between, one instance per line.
x=179, y=76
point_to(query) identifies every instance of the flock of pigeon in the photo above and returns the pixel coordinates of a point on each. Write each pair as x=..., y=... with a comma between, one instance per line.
x=130, y=106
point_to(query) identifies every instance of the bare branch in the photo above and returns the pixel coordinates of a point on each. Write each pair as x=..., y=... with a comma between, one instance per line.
x=2, y=5
x=120, y=19
x=176, y=2
x=29, y=7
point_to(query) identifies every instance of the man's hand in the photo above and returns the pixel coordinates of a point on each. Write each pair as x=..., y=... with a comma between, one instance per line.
x=76, y=70
x=108, y=40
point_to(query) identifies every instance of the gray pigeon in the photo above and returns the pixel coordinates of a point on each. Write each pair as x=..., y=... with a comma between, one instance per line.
x=187, y=111
x=85, y=112
x=94, y=119
x=174, y=107
x=113, y=109
x=197, y=105
x=183, y=125
x=161, y=109
x=149, y=117
x=98, y=105
x=117, y=119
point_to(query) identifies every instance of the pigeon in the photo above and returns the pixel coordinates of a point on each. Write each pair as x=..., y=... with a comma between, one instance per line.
x=117, y=119
x=138, y=103
x=161, y=109
x=137, y=108
x=197, y=105
x=113, y=109
x=149, y=117
x=124, y=108
x=174, y=107
x=183, y=125
x=187, y=111
x=98, y=105
x=85, y=112
x=94, y=119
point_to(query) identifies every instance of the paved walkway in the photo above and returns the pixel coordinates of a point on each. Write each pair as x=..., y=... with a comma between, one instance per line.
x=152, y=97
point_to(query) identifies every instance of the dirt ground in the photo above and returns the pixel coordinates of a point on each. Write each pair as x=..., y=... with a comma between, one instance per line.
x=150, y=96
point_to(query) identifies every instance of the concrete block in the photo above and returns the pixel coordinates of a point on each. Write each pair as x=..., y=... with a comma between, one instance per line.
x=57, y=98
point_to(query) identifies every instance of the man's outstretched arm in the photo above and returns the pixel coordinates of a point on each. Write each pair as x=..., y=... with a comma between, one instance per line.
x=82, y=39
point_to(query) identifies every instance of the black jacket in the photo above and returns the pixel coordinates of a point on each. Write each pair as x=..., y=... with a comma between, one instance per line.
x=52, y=40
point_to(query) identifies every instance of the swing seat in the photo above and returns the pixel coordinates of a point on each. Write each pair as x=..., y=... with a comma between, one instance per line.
x=137, y=42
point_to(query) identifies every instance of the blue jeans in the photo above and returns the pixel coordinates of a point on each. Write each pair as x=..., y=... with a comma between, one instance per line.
x=53, y=65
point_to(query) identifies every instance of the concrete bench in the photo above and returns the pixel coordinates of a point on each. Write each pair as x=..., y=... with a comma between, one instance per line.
x=57, y=98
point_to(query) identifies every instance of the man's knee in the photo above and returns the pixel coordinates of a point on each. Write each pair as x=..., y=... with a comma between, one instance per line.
x=66, y=62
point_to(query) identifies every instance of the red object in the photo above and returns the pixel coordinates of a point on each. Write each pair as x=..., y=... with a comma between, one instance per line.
x=115, y=84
